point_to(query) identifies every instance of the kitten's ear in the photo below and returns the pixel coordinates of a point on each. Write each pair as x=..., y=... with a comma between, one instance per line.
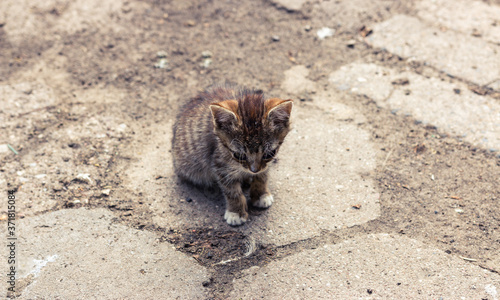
x=278, y=111
x=225, y=114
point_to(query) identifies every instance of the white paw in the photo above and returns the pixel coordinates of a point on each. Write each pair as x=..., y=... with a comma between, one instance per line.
x=265, y=201
x=234, y=218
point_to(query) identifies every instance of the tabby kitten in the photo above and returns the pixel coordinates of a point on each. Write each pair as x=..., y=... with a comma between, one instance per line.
x=227, y=136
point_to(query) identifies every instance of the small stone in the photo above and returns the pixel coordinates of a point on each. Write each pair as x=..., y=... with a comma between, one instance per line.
x=351, y=43
x=191, y=23
x=206, y=54
x=84, y=178
x=39, y=176
x=307, y=27
x=356, y=206
x=106, y=192
x=325, y=32
x=4, y=148
x=275, y=38
x=206, y=283
x=161, y=54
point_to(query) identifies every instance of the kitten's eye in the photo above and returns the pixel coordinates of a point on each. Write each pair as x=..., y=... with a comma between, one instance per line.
x=240, y=156
x=269, y=155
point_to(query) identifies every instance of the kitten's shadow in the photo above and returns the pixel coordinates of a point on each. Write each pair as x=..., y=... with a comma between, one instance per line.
x=190, y=191
x=213, y=196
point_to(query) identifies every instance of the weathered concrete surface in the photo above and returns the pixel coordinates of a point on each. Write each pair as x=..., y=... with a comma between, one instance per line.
x=21, y=17
x=340, y=13
x=474, y=18
x=378, y=266
x=296, y=81
x=450, y=106
x=460, y=55
x=41, y=170
x=84, y=254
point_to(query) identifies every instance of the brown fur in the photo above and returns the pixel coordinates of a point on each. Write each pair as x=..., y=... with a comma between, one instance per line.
x=227, y=136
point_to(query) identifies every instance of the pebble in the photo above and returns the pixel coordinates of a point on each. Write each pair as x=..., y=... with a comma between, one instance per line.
x=122, y=127
x=161, y=54
x=4, y=148
x=351, y=43
x=325, y=32
x=84, y=177
x=206, y=54
x=275, y=38
x=106, y=192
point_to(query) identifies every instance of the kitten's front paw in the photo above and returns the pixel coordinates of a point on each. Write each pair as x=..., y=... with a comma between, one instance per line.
x=234, y=219
x=264, y=201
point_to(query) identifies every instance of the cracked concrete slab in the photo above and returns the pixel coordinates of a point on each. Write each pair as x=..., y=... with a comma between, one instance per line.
x=450, y=106
x=379, y=266
x=339, y=13
x=89, y=255
x=475, y=18
x=452, y=52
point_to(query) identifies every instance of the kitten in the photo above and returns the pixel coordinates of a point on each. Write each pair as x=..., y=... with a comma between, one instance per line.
x=226, y=136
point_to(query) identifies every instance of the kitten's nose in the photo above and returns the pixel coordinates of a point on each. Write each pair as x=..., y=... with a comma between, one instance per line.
x=254, y=168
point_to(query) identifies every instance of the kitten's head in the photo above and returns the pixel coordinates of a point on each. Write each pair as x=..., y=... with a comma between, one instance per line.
x=251, y=128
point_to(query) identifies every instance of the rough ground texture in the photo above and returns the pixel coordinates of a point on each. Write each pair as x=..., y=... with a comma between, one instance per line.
x=388, y=185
